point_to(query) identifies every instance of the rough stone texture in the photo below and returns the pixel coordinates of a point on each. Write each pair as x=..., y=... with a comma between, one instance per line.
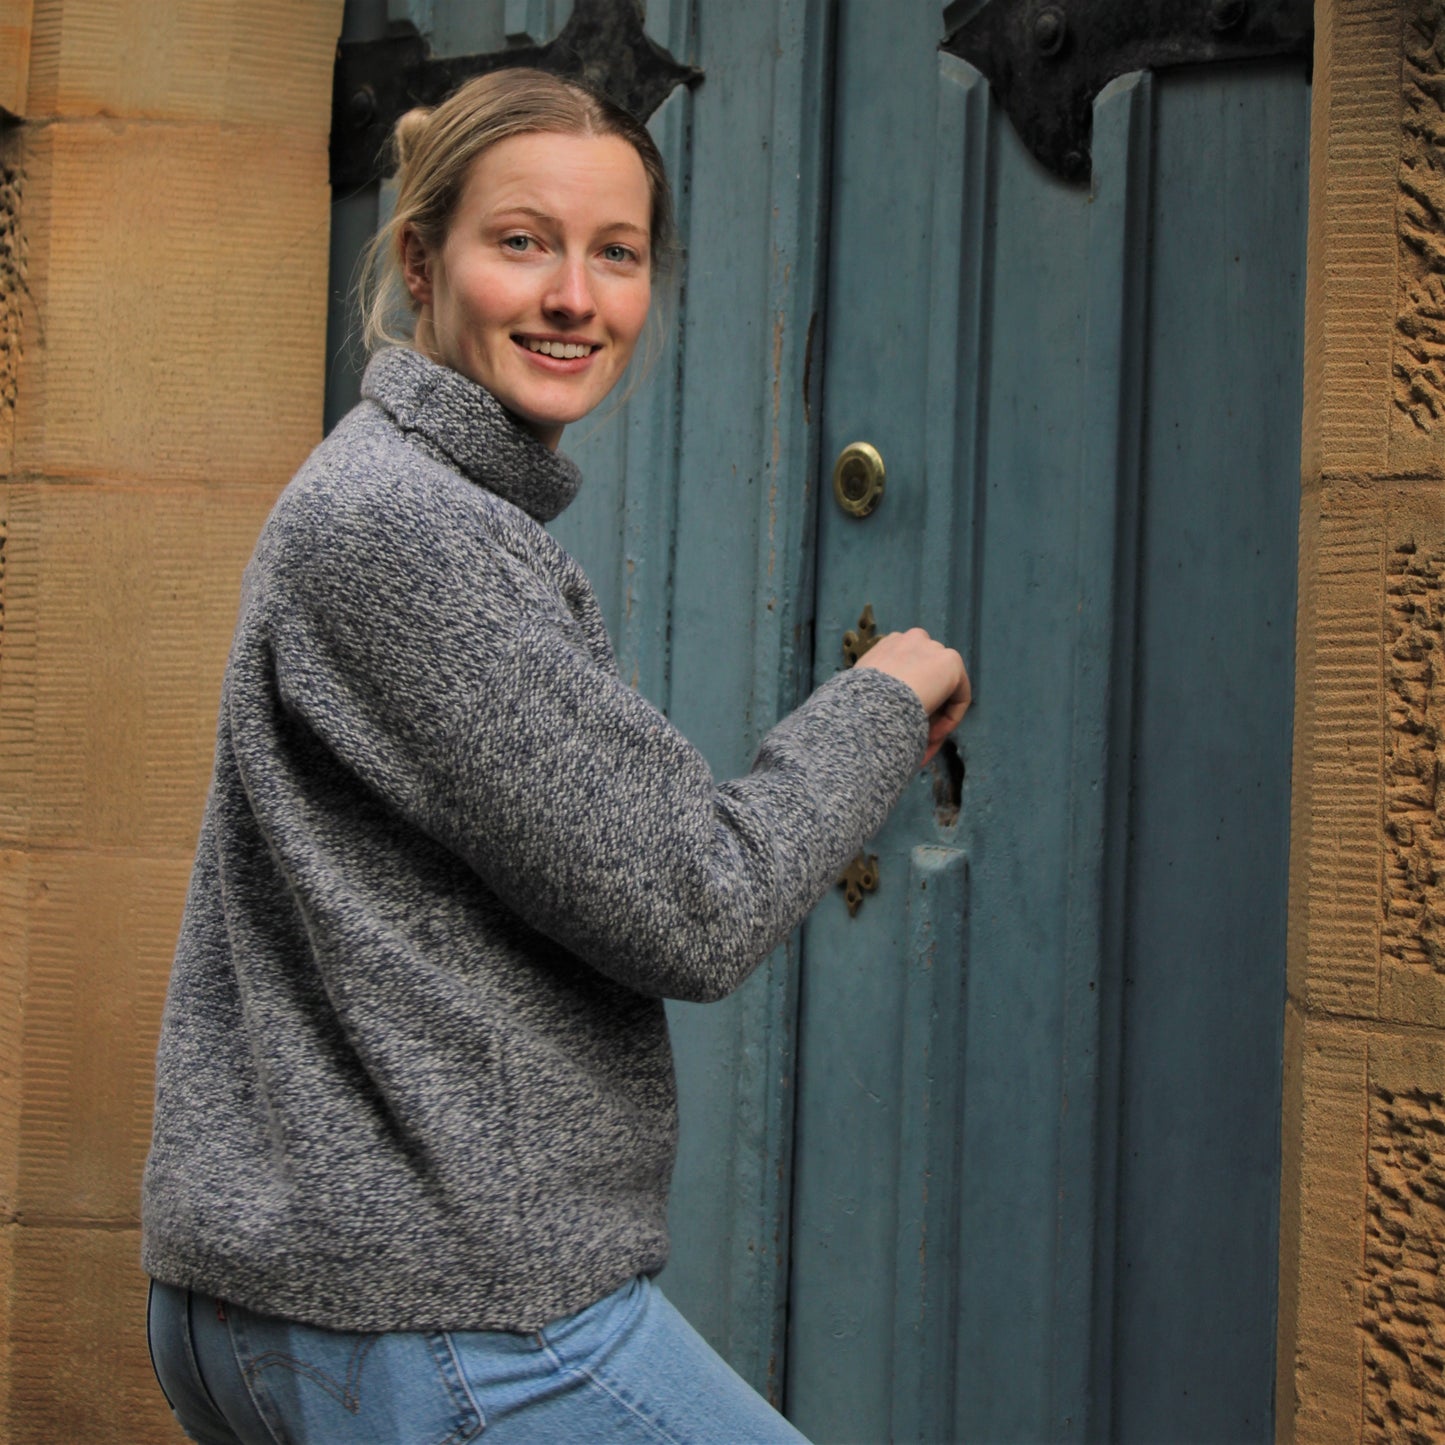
x=166, y=260
x=1404, y=1320
x=1362, y=1250
x=13, y=281
x=1412, y=931
x=1419, y=364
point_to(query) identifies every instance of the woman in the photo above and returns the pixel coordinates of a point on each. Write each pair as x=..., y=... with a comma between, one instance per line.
x=415, y=1116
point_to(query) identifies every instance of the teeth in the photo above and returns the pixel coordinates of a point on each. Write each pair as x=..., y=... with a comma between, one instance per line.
x=565, y=350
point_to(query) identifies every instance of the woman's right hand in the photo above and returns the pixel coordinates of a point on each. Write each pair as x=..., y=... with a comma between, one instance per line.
x=935, y=672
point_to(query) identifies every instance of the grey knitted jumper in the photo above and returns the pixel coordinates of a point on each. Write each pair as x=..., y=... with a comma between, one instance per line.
x=414, y=1070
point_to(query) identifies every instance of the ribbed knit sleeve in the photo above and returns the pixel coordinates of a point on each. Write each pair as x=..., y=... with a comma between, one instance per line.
x=458, y=687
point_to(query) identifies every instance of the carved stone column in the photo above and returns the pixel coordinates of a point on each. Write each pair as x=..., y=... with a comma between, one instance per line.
x=1362, y=1264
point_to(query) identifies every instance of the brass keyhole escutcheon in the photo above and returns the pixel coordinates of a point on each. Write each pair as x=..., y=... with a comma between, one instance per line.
x=857, y=641
x=858, y=478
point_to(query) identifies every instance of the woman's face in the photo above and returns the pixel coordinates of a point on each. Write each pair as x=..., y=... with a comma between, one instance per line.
x=541, y=287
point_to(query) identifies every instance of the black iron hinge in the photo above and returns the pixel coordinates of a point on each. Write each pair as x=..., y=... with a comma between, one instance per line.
x=1046, y=60
x=376, y=81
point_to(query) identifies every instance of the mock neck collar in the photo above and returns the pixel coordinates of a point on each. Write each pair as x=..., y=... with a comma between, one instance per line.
x=472, y=429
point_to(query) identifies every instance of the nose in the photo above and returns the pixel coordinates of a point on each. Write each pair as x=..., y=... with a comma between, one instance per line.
x=570, y=294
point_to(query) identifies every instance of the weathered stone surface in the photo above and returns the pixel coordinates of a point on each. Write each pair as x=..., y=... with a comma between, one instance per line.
x=1353, y=250
x=1335, y=846
x=176, y=320
x=244, y=62
x=1362, y=1258
x=93, y=942
x=1415, y=692
x=1419, y=360
x=163, y=263
x=15, y=21
x=1404, y=1304
x=13, y=281
x=1321, y=1234
x=78, y=1368
x=119, y=607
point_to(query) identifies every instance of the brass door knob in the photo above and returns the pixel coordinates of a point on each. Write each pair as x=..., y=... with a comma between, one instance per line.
x=858, y=478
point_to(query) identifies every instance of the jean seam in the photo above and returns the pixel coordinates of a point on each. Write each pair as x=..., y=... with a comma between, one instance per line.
x=583, y=1372
x=188, y=1337
x=150, y=1347
x=466, y=1389
x=247, y=1380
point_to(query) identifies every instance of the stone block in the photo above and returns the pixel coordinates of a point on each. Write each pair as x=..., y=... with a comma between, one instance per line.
x=247, y=62
x=1327, y=1216
x=176, y=326
x=1417, y=438
x=13, y=283
x=118, y=607
x=1335, y=846
x=15, y=900
x=15, y=21
x=1363, y=1236
x=94, y=949
x=78, y=1369
x=1368, y=896
x=1403, y=1318
x=1353, y=253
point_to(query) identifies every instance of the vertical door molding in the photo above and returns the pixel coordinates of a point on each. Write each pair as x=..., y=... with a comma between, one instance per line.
x=930, y=1126
x=1091, y=974
x=756, y=196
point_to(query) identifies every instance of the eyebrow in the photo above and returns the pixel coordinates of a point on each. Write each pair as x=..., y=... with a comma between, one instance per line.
x=547, y=219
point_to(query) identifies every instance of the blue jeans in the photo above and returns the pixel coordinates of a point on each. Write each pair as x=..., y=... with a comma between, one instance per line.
x=626, y=1369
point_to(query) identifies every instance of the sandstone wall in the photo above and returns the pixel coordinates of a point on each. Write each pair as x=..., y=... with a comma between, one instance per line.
x=1362, y=1287
x=163, y=262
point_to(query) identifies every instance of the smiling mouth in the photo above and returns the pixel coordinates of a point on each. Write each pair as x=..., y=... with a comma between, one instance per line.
x=561, y=350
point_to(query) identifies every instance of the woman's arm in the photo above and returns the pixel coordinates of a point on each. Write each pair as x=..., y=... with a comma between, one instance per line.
x=458, y=691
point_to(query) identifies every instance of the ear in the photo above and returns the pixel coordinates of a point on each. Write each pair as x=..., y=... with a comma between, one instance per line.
x=415, y=266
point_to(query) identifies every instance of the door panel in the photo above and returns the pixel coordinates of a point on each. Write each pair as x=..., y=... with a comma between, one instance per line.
x=995, y=1159
x=1204, y=950
x=1088, y=402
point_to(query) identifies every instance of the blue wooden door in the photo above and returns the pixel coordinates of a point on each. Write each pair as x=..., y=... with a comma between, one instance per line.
x=1036, y=1158
x=995, y=1158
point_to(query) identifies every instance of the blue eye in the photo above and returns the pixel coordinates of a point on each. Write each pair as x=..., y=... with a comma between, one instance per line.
x=516, y=243
x=618, y=253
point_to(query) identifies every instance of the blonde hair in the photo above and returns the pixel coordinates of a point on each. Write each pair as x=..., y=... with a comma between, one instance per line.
x=435, y=150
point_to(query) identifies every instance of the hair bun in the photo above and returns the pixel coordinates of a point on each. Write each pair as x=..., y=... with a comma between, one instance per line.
x=407, y=134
